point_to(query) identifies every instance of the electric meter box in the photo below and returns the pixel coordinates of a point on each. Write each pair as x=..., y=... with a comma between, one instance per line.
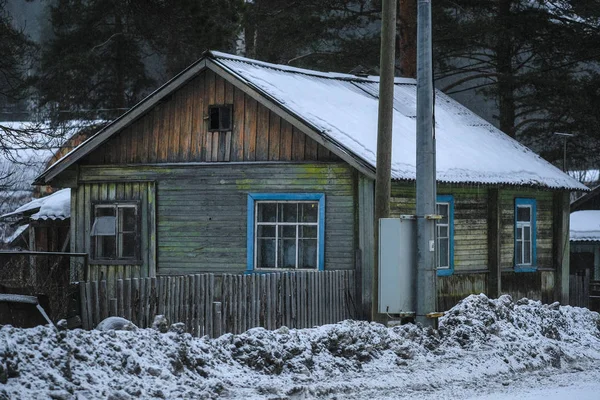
x=397, y=258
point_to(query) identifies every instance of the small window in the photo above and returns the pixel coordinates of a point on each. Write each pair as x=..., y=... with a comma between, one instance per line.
x=220, y=117
x=115, y=232
x=525, y=238
x=445, y=235
x=285, y=231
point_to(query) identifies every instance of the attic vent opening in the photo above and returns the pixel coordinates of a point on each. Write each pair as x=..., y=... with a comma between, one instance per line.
x=220, y=117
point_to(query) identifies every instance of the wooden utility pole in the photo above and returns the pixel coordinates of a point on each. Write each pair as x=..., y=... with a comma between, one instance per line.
x=384, y=134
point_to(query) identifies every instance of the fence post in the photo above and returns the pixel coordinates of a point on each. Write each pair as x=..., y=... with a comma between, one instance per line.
x=216, y=319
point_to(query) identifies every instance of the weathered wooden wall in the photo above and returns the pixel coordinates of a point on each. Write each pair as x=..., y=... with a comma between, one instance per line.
x=82, y=200
x=470, y=220
x=202, y=210
x=543, y=226
x=176, y=130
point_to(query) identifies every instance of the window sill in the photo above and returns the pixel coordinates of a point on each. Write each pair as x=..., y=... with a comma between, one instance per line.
x=115, y=262
x=525, y=268
x=445, y=272
x=272, y=270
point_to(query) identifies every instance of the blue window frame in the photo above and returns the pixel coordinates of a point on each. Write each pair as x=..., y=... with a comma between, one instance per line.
x=445, y=235
x=286, y=231
x=525, y=235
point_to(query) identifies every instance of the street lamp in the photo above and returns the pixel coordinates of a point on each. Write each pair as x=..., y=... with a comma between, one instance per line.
x=565, y=136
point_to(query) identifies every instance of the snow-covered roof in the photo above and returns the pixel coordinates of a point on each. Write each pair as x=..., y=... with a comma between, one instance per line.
x=55, y=206
x=585, y=225
x=343, y=110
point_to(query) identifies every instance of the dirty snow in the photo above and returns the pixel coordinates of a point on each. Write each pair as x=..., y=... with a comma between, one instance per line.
x=483, y=348
x=344, y=109
x=585, y=225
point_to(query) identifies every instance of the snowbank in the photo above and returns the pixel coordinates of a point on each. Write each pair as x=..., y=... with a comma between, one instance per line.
x=480, y=338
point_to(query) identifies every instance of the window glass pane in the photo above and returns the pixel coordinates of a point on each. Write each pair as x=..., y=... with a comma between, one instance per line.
x=265, y=231
x=106, y=247
x=266, y=253
x=127, y=245
x=267, y=212
x=214, y=118
x=519, y=233
x=287, y=231
x=104, y=226
x=308, y=231
x=442, y=209
x=527, y=232
x=225, y=118
x=443, y=253
x=307, y=253
x=442, y=231
x=527, y=255
x=523, y=213
x=309, y=212
x=105, y=211
x=127, y=220
x=287, y=253
x=519, y=252
x=288, y=212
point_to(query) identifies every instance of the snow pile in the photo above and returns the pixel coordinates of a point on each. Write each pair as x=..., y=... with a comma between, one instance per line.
x=478, y=339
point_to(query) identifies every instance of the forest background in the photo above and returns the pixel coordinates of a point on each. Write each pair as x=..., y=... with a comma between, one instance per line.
x=531, y=67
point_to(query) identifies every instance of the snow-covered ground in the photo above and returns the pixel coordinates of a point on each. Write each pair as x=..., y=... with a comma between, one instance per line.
x=484, y=349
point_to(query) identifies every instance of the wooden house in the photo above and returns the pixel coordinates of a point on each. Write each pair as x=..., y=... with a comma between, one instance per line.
x=241, y=166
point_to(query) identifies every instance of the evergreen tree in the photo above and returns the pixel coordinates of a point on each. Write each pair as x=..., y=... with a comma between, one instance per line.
x=520, y=53
x=93, y=65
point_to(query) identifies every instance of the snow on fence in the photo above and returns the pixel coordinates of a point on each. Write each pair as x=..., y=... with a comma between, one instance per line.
x=210, y=304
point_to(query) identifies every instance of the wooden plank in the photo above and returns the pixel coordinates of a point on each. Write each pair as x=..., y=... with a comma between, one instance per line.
x=288, y=302
x=160, y=288
x=84, y=301
x=215, y=146
x=273, y=301
x=217, y=319
x=192, y=328
x=250, y=120
x=274, y=136
x=185, y=135
x=175, y=115
x=210, y=88
x=187, y=303
x=262, y=301
x=103, y=300
x=285, y=141
x=197, y=117
x=128, y=298
x=237, y=146
x=244, y=304
x=225, y=301
x=229, y=98
x=144, y=302
x=202, y=305
x=311, y=148
x=211, y=299
x=135, y=301
x=262, y=134
x=120, y=299
x=163, y=136
x=298, y=140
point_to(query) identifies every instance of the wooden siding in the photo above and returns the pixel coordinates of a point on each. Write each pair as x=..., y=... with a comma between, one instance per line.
x=452, y=289
x=544, y=230
x=82, y=200
x=176, y=130
x=470, y=220
x=201, y=209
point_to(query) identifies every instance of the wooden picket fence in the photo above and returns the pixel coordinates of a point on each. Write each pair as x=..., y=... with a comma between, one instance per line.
x=210, y=304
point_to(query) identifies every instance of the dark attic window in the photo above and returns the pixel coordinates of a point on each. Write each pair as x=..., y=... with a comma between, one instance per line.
x=220, y=117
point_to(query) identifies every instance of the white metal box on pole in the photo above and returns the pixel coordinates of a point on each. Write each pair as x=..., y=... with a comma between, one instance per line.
x=397, y=257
